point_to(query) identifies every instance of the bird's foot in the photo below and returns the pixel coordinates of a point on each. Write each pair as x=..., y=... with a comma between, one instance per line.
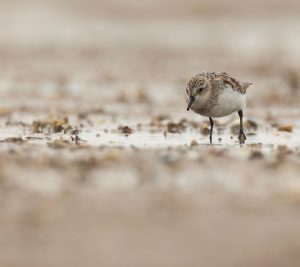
x=242, y=137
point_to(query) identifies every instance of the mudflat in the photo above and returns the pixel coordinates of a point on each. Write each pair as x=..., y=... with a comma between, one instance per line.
x=102, y=165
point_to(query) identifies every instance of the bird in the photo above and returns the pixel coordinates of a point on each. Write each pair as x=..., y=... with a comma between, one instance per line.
x=215, y=95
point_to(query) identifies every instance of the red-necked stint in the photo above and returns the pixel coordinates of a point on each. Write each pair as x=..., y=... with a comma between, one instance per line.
x=216, y=95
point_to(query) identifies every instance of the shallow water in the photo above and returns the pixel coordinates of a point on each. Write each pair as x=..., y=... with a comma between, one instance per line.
x=267, y=139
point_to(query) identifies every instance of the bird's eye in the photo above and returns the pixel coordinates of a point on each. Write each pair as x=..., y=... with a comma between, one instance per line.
x=200, y=89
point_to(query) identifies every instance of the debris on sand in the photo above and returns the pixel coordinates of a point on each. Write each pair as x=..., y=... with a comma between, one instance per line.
x=125, y=130
x=285, y=128
x=77, y=139
x=173, y=127
x=52, y=125
x=16, y=140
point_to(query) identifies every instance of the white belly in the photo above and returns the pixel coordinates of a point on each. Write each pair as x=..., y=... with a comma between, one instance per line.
x=229, y=101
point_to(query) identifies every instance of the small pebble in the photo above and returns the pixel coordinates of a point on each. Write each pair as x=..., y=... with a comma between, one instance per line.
x=194, y=143
x=125, y=130
x=285, y=128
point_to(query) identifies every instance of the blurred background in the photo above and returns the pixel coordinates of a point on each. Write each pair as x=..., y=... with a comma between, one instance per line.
x=141, y=41
x=101, y=165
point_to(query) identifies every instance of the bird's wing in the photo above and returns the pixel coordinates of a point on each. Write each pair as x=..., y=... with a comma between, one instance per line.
x=234, y=83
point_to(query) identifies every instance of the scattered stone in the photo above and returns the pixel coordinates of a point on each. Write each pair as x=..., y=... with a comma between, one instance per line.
x=285, y=128
x=125, y=130
x=194, y=143
x=173, y=127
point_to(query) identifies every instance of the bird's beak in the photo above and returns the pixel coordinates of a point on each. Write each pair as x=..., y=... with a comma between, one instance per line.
x=192, y=100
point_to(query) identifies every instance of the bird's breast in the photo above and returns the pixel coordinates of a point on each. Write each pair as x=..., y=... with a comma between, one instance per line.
x=222, y=104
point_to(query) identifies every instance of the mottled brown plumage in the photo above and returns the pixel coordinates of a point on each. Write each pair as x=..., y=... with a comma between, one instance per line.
x=204, y=78
x=218, y=94
x=234, y=83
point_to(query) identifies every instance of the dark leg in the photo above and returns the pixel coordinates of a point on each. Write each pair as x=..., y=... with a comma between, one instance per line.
x=211, y=129
x=242, y=136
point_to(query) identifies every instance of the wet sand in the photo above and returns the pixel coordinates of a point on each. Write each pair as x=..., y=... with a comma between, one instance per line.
x=102, y=165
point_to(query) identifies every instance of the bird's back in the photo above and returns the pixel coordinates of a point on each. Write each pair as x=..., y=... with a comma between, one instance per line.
x=235, y=84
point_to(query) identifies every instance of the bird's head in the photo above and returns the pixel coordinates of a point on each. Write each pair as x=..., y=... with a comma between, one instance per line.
x=197, y=90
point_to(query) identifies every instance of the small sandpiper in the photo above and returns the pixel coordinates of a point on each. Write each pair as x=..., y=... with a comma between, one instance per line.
x=216, y=95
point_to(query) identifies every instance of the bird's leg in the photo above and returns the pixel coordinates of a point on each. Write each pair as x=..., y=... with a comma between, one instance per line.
x=211, y=129
x=242, y=136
